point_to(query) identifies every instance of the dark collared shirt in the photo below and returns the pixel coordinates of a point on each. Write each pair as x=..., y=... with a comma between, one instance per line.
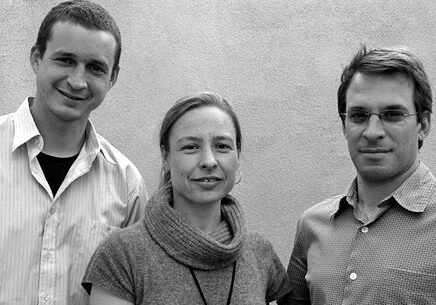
x=342, y=257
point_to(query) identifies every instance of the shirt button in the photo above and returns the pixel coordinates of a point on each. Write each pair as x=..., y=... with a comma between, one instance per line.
x=364, y=229
x=52, y=210
x=353, y=276
x=46, y=297
x=47, y=256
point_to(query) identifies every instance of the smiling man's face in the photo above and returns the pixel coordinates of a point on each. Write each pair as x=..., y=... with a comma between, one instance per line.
x=74, y=73
x=382, y=150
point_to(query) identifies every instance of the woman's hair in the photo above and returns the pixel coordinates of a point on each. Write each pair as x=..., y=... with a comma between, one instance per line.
x=184, y=105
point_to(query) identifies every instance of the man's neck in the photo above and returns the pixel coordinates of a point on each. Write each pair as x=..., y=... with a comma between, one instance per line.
x=371, y=193
x=61, y=138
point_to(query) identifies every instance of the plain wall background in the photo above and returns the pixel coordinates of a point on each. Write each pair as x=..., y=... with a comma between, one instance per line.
x=277, y=62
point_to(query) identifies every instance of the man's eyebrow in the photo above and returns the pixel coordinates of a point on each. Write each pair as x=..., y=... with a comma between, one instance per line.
x=357, y=108
x=387, y=107
x=100, y=63
x=189, y=138
x=395, y=107
x=223, y=137
x=63, y=53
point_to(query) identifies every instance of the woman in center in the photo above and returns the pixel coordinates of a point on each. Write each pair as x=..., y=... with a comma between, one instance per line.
x=192, y=246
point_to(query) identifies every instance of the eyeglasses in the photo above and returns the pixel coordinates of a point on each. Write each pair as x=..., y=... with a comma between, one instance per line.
x=387, y=116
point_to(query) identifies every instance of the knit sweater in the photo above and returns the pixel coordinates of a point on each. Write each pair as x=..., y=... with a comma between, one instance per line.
x=148, y=263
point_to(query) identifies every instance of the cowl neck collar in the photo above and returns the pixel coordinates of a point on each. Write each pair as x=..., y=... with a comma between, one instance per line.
x=187, y=244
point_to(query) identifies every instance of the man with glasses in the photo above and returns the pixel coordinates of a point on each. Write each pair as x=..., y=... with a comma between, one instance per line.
x=376, y=243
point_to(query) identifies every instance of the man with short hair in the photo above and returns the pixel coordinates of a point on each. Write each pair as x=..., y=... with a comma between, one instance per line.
x=63, y=187
x=375, y=244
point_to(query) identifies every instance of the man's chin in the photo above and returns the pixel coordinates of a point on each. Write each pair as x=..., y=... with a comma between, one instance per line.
x=375, y=173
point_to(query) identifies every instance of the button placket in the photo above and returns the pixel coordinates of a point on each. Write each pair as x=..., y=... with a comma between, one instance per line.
x=47, y=281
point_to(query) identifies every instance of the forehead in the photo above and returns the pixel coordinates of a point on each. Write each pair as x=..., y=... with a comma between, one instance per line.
x=203, y=122
x=74, y=39
x=379, y=91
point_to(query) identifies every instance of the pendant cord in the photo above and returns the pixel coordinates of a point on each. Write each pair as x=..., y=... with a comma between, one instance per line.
x=229, y=298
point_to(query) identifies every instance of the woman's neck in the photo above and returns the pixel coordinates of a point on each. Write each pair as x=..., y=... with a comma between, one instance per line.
x=204, y=216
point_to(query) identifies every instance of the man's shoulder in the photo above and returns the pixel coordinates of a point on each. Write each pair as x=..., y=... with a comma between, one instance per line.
x=6, y=120
x=7, y=129
x=113, y=155
x=324, y=208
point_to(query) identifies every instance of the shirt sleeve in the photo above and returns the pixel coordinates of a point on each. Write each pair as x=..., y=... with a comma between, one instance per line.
x=110, y=269
x=137, y=199
x=297, y=270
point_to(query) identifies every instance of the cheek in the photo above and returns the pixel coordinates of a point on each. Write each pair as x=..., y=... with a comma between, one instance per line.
x=231, y=167
x=179, y=167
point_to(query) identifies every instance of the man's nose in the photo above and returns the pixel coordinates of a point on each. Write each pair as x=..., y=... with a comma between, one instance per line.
x=77, y=78
x=374, y=127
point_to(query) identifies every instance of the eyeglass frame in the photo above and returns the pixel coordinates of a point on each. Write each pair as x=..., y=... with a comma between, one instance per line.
x=381, y=115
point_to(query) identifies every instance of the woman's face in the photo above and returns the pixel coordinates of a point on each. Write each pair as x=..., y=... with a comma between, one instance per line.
x=202, y=158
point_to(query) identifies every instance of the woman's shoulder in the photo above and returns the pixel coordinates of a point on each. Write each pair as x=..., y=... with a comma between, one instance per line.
x=258, y=244
x=128, y=238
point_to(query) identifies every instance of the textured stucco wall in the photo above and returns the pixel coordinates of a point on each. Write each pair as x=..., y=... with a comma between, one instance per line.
x=277, y=61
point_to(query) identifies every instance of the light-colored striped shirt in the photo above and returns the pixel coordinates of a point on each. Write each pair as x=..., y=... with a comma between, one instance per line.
x=343, y=257
x=45, y=241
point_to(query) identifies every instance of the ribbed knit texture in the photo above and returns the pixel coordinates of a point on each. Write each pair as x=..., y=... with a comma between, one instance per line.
x=188, y=245
x=147, y=263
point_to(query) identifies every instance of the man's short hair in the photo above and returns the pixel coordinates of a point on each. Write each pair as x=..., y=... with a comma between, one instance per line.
x=385, y=61
x=84, y=13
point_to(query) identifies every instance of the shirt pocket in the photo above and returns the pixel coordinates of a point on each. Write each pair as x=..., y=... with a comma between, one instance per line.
x=408, y=287
x=87, y=237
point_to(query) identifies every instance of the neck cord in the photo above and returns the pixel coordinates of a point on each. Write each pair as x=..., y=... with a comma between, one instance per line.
x=201, y=291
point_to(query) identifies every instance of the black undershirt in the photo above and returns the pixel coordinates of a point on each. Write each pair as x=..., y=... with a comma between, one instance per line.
x=55, y=169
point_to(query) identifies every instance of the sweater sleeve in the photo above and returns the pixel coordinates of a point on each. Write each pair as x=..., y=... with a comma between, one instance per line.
x=278, y=282
x=110, y=268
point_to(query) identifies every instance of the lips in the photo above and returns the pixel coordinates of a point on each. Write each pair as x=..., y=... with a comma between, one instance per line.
x=70, y=95
x=211, y=179
x=374, y=150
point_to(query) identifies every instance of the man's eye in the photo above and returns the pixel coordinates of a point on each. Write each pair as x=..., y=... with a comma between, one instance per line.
x=393, y=115
x=358, y=116
x=65, y=61
x=190, y=147
x=96, y=69
x=222, y=147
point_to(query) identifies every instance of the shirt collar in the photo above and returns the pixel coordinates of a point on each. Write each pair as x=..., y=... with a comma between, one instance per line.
x=24, y=125
x=348, y=198
x=26, y=130
x=93, y=144
x=413, y=195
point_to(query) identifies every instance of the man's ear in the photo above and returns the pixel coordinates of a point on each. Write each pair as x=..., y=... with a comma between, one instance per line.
x=424, y=125
x=114, y=76
x=344, y=131
x=35, y=58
